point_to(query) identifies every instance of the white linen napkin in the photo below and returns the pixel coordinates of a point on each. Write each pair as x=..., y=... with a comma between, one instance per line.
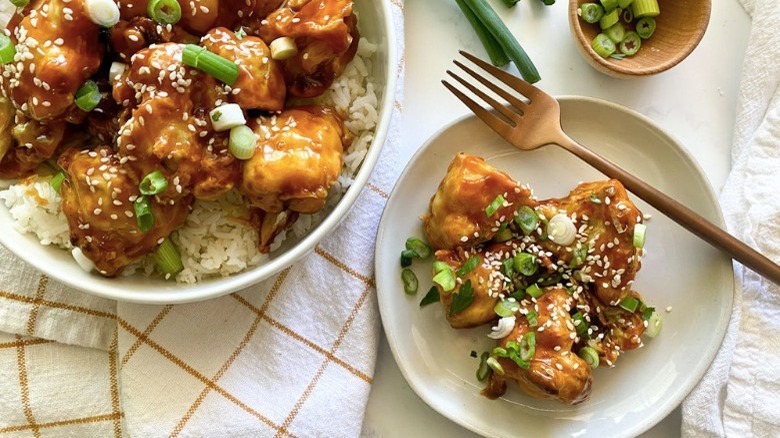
x=740, y=394
x=293, y=356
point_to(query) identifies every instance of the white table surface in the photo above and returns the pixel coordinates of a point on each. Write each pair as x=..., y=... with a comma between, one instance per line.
x=694, y=102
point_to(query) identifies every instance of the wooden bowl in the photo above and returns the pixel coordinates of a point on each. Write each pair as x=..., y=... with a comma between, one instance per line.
x=679, y=29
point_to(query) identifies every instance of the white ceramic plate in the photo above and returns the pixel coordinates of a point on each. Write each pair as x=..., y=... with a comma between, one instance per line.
x=679, y=271
x=375, y=23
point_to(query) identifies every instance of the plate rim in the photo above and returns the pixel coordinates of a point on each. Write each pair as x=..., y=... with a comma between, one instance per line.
x=220, y=286
x=667, y=407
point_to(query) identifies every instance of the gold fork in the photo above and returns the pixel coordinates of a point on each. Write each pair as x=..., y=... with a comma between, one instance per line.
x=536, y=123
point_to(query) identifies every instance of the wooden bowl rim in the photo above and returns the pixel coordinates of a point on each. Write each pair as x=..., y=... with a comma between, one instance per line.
x=607, y=67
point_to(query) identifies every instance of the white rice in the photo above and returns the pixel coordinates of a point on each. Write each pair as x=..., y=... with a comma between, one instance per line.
x=217, y=239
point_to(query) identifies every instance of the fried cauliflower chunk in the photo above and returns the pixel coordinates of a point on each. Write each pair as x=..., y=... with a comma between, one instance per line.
x=298, y=157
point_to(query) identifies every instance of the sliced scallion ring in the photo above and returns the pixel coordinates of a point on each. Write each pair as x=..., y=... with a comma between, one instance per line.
x=104, y=13
x=221, y=68
x=628, y=15
x=654, y=325
x=525, y=264
x=578, y=256
x=527, y=219
x=116, y=71
x=164, y=11
x=283, y=48
x=528, y=346
x=439, y=266
x=85, y=263
x=226, y=116
x=56, y=181
x=590, y=12
x=483, y=371
x=422, y=249
x=492, y=362
x=609, y=19
x=503, y=234
x=506, y=308
x=533, y=318
x=446, y=279
x=645, y=27
x=507, y=268
x=534, y=290
x=616, y=32
x=242, y=142
x=630, y=44
x=20, y=3
x=590, y=356
x=153, y=183
x=603, y=45
x=493, y=207
x=410, y=281
x=88, y=96
x=167, y=258
x=406, y=257
x=609, y=4
x=580, y=324
x=468, y=266
x=645, y=8
x=561, y=229
x=624, y=3
x=143, y=213
x=640, y=230
x=7, y=49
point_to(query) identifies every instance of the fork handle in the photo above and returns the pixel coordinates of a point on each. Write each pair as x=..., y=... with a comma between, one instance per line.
x=679, y=213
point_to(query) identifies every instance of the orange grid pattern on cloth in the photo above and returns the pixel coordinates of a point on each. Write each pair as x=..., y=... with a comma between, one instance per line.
x=293, y=356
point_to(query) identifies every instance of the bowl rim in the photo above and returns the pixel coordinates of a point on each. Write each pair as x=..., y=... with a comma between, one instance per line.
x=212, y=288
x=615, y=69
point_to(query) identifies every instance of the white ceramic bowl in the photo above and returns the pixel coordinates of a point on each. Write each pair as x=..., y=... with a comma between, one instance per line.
x=375, y=23
x=680, y=271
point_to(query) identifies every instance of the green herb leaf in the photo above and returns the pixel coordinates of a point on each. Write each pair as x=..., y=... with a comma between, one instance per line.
x=463, y=298
x=431, y=297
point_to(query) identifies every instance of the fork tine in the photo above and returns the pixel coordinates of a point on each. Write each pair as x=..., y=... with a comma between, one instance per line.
x=516, y=83
x=498, y=106
x=490, y=119
x=517, y=103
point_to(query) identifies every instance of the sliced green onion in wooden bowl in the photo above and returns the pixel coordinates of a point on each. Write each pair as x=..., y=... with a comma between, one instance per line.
x=590, y=12
x=603, y=45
